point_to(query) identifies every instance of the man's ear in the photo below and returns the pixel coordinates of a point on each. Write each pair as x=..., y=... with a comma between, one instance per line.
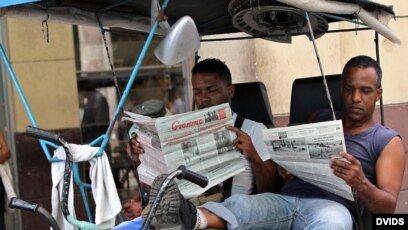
x=379, y=94
x=231, y=90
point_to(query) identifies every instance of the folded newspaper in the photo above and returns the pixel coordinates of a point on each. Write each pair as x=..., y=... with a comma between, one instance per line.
x=305, y=152
x=199, y=140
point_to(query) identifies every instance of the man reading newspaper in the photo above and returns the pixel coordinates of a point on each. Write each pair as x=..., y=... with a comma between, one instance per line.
x=212, y=85
x=199, y=140
x=373, y=167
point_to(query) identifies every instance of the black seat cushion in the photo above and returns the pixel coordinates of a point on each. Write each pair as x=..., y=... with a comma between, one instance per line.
x=251, y=101
x=309, y=95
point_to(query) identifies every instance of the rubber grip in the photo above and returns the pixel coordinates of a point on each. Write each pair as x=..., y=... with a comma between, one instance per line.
x=193, y=177
x=42, y=134
x=23, y=205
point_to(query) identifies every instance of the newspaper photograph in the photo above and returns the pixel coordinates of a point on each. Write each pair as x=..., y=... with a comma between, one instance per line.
x=305, y=151
x=199, y=140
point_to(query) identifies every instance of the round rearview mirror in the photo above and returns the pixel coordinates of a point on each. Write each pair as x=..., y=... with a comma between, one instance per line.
x=179, y=43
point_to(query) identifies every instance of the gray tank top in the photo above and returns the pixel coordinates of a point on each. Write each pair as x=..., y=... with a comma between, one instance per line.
x=368, y=145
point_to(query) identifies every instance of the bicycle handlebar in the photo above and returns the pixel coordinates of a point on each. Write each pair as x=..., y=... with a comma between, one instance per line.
x=23, y=205
x=191, y=176
x=43, y=134
x=35, y=208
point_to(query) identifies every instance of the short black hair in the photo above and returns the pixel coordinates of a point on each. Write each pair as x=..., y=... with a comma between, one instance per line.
x=214, y=65
x=363, y=61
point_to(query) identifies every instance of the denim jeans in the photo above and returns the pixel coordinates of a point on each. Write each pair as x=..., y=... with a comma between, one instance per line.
x=276, y=211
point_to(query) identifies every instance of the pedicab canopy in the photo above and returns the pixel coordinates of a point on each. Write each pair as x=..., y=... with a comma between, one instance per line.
x=275, y=20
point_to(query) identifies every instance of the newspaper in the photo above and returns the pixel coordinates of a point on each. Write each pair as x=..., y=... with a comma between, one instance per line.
x=198, y=140
x=305, y=152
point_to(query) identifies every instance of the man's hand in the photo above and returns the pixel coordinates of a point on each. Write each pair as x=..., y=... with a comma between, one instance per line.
x=132, y=209
x=134, y=149
x=244, y=145
x=349, y=170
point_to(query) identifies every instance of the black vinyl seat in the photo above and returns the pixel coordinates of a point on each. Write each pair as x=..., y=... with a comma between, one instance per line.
x=309, y=96
x=251, y=101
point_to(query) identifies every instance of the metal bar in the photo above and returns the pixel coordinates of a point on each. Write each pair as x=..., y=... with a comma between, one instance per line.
x=348, y=30
x=341, y=18
x=326, y=87
x=23, y=99
x=5, y=3
x=114, y=5
x=82, y=186
x=294, y=34
x=212, y=21
x=131, y=80
x=377, y=54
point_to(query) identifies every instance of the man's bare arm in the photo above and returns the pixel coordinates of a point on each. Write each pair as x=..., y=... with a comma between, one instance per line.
x=266, y=176
x=380, y=198
x=265, y=172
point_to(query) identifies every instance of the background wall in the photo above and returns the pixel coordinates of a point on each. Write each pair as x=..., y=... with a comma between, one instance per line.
x=46, y=72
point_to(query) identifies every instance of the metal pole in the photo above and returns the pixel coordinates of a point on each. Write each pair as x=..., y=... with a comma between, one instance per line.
x=377, y=54
x=130, y=82
x=320, y=66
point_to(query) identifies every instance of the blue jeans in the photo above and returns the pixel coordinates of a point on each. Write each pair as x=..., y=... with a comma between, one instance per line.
x=276, y=211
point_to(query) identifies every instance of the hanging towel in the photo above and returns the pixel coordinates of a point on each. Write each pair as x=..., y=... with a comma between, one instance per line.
x=7, y=179
x=103, y=186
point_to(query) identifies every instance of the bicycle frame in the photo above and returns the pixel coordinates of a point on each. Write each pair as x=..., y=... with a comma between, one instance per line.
x=103, y=138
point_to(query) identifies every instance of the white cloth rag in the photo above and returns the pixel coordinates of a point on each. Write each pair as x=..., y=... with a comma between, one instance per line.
x=103, y=186
x=7, y=179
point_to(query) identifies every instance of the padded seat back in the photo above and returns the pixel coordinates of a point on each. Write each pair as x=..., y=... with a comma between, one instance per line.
x=309, y=96
x=251, y=101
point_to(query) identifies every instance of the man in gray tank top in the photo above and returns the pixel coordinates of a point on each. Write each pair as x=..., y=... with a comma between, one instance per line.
x=374, y=170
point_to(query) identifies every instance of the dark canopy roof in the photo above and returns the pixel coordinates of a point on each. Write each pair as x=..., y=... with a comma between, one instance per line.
x=210, y=16
x=268, y=19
